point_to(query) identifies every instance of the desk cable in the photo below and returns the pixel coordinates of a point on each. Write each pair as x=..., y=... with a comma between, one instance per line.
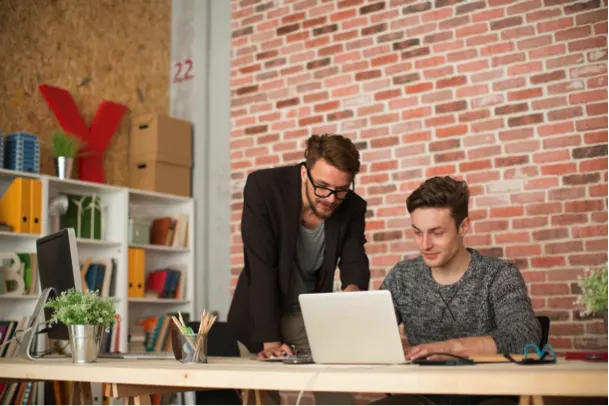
x=19, y=334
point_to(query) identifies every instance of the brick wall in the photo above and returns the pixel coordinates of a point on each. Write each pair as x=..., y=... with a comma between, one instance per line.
x=509, y=95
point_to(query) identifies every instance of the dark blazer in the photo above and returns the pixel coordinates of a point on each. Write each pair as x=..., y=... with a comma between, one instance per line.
x=269, y=227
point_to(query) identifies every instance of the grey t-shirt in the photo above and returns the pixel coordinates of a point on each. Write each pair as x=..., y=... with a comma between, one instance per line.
x=490, y=299
x=310, y=250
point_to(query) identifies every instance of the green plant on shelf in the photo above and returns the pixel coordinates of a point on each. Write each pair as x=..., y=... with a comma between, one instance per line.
x=65, y=145
x=73, y=307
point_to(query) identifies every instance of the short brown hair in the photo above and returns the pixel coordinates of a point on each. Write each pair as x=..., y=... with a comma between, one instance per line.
x=441, y=192
x=338, y=150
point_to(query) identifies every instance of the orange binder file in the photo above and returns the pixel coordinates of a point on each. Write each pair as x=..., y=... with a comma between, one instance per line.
x=15, y=206
x=35, y=206
x=137, y=270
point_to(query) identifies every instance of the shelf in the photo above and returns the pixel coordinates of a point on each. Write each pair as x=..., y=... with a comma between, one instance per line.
x=82, y=187
x=137, y=196
x=97, y=243
x=8, y=173
x=160, y=248
x=22, y=236
x=154, y=300
x=19, y=297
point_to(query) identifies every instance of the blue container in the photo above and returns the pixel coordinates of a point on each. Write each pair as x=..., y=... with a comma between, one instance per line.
x=22, y=152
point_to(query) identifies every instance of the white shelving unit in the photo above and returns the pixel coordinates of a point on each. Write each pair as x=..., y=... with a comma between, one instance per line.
x=120, y=204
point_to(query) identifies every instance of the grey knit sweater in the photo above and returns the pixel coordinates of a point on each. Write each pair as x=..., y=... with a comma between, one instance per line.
x=489, y=300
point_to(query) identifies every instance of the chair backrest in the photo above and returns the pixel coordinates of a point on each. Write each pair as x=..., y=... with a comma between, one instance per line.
x=544, y=321
x=220, y=341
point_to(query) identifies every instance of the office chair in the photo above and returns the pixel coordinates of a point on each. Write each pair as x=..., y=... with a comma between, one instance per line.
x=544, y=321
x=220, y=343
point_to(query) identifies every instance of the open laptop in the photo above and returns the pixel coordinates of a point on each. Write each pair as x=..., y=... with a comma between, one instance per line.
x=352, y=328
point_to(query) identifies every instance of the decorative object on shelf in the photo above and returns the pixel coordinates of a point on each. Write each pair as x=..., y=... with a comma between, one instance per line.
x=86, y=215
x=139, y=231
x=593, y=298
x=11, y=275
x=189, y=346
x=22, y=152
x=58, y=207
x=97, y=137
x=65, y=149
x=87, y=315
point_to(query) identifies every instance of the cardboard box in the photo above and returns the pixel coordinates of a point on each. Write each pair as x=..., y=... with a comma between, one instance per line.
x=158, y=176
x=161, y=137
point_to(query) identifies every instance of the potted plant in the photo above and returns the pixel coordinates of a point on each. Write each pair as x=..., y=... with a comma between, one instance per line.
x=65, y=148
x=87, y=316
x=593, y=298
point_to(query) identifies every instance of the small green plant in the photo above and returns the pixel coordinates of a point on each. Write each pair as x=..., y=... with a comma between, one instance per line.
x=64, y=144
x=86, y=308
x=594, y=291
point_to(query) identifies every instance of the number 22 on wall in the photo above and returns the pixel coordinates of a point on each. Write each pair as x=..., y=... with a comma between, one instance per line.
x=183, y=71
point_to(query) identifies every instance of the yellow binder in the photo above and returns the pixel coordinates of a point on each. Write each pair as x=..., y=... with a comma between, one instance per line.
x=15, y=206
x=35, y=206
x=137, y=269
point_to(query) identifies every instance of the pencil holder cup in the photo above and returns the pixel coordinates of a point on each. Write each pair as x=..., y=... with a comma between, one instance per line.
x=189, y=348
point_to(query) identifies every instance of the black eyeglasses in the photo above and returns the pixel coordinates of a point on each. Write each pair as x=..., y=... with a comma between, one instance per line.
x=323, y=192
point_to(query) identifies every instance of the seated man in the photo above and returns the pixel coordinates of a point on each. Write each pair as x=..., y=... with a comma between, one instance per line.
x=452, y=299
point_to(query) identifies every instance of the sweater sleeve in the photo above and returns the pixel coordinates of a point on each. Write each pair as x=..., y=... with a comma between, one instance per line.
x=516, y=323
x=390, y=283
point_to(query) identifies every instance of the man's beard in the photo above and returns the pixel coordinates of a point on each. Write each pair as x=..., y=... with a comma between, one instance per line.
x=313, y=205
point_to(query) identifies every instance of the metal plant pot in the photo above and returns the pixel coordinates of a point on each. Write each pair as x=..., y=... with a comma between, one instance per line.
x=63, y=167
x=85, y=341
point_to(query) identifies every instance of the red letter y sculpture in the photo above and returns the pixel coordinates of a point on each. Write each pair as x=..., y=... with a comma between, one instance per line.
x=106, y=122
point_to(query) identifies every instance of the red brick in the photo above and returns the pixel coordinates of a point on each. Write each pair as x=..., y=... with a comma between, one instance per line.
x=518, y=134
x=474, y=115
x=440, y=170
x=523, y=250
x=518, y=32
x=587, y=43
x=590, y=231
x=591, y=124
x=525, y=68
x=558, y=49
x=451, y=131
x=562, y=142
x=584, y=206
x=473, y=29
x=573, y=33
x=555, y=25
x=440, y=121
x=588, y=259
x=596, y=137
x=541, y=183
x=482, y=39
x=525, y=94
x=531, y=222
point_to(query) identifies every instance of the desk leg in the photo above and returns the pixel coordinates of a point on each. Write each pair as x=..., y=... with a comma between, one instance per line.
x=255, y=397
x=531, y=400
x=139, y=400
x=81, y=394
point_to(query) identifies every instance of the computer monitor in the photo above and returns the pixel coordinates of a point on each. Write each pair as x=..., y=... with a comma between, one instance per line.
x=58, y=268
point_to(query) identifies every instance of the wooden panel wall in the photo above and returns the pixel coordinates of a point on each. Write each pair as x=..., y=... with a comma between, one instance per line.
x=114, y=50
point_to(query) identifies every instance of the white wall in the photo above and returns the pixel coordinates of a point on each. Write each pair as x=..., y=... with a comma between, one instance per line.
x=201, y=31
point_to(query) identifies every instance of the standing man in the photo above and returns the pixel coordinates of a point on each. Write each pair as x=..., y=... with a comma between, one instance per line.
x=298, y=223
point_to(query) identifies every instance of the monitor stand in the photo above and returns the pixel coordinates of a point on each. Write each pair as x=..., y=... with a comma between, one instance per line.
x=28, y=339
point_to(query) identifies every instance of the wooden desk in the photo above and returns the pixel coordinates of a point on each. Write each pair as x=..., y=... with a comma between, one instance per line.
x=566, y=378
